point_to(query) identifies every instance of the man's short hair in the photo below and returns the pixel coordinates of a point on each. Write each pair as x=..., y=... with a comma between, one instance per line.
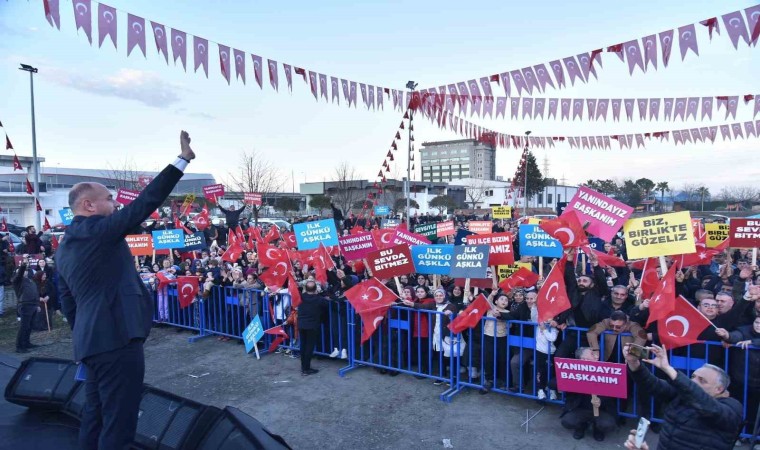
x=310, y=287
x=29, y=228
x=723, y=294
x=620, y=287
x=619, y=315
x=77, y=191
x=723, y=379
x=580, y=351
x=703, y=293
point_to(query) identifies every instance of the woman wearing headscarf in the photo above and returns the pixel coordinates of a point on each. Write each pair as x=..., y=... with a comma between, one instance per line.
x=440, y=322
x=47, y=297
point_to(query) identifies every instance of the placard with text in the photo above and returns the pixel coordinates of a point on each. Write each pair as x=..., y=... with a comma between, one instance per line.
x=604, y=215
x=744, y=233
x=501, y=252
x=390, y=262
x=660, y=235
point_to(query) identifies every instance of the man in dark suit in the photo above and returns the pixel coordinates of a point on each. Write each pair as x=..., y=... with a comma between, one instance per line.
x=310, y=313
x=106, y=303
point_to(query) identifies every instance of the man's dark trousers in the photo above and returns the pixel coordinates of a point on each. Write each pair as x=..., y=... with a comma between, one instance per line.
x=308, y=343
x=114, y=378
x=26, y=313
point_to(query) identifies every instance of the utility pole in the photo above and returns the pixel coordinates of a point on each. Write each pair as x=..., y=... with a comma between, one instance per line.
x=411, y=85
x=35, y=162
x=525, y=151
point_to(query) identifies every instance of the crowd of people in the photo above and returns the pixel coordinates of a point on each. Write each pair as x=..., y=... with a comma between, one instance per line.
x=607, y=302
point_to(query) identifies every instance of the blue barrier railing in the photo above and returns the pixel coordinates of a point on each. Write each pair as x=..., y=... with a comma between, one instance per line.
x=405, y=342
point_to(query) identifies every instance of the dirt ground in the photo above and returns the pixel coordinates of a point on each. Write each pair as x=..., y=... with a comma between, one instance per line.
x=364, y=409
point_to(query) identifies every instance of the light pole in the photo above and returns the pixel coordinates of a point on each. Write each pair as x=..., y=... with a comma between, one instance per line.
x=411, y=85
x=35, y=163
x=525, y=152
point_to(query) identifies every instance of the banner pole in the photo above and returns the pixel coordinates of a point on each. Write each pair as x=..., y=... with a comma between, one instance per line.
x=754, y=257
x=541, y=267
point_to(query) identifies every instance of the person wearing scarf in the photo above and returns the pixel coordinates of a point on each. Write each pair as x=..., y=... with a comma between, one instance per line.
x=441, y=319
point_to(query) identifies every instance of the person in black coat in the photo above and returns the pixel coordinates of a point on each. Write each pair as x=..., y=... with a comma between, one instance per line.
x=28, y=300
x=700, y=412
x=310, y=313
x=107, y=304
x=231, y=216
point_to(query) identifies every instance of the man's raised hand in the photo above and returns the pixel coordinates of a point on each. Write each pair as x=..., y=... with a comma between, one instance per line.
x=184, y=142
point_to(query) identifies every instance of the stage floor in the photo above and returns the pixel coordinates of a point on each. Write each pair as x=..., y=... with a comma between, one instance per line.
x=21, y=428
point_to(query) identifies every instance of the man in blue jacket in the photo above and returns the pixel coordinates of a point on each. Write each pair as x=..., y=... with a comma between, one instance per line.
x=106, y=303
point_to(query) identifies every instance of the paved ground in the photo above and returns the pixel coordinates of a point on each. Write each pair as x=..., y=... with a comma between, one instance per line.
x=362, y=410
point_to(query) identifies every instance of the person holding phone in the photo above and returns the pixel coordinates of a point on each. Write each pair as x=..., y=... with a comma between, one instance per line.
x=700, y=413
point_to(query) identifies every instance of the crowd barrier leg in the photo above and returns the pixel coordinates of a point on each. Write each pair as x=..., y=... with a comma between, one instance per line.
x=201, y=310
x=351, y=338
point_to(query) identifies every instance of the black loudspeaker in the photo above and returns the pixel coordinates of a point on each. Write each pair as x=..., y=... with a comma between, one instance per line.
x=235, y=430
x=75, y=405
x=42, y=383
x=167, y=421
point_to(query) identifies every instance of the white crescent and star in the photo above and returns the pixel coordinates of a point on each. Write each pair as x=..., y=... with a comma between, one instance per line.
x=179, y=40
x=379, y=293
x=84, y=8
x=224, y=56
x=686, y=35
x=682, y=320
x=159, y=32
x=182, y=291
x=734, y=22
x=631, y=50
x=202, y=48
x=108, y=15
x=554, y=286
x=377, y=320
x=137, y=27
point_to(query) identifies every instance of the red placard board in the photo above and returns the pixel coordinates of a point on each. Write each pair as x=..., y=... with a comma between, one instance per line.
x=480, y=226
x=403, y=236
x=391, y=262
x=591, y=377
x=213, y=191
x=252, y=198
x=357, y=246
x=140, y=244
x=446, y=229
x=501, y=247
x=33, y=259
x=744, y=233
x=126, y=196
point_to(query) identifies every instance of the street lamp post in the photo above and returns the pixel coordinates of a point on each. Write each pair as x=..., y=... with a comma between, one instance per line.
x=411, y=85
x=35, y=162
x=525, y=151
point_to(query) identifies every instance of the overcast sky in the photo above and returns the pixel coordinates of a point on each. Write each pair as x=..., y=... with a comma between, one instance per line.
x=96, y=106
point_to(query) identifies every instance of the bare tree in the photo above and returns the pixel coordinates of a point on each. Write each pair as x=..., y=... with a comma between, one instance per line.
x=475, y=192
x=255, y=174
x=124, y=174
x=689, y=190
x=348, y=188
x=739, y=194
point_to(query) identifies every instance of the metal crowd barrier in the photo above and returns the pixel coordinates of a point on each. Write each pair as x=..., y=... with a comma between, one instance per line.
x=404, y=342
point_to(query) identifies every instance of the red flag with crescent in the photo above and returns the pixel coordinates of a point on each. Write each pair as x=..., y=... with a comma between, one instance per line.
x=605, y=260
x=201, y=220
x=664, y=297
x=187, y=289
x=567, y=229
x=471, y=316
x=273, y=234
x=233, y=253
x=269, y=256
x=295, y=294
x=682, y=326
x=274, y=277
x=281, y=336
x=54, y=243
x=165, y=278
x=384, y=237
x=289, y=239
x=552, y=297
x=371, y=299
x=3, y=225
x=522, y=278
x=649, y=277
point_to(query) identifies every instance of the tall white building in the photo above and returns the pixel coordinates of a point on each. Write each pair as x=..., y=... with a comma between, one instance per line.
x=452, y=160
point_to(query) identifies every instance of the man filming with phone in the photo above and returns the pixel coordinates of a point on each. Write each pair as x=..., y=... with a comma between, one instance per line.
x=700, y=413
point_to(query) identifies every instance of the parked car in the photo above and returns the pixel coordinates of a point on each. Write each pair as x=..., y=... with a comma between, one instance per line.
x=17, y=242
x=267, y=222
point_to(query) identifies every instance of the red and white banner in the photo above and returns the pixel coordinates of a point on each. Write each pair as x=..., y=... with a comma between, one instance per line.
x=744, y=233
x=252, y=198
x=356, y=246
x=591, y=377
x=213, y=191
x=502, y=252
x=126, y=196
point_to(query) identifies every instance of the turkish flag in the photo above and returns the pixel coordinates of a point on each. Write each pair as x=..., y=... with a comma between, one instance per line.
x=201, y=220
x=274, y=277
x=701, y=257
x=327, y=256
x=29, y=188
x=187, y=289
x=289, y=239
x=295, y=294
x=154, y=215
x=471, y=316
x=239, y=234
x=295, y=255
x=232, y=238
x=255, y=233
x=384, y=237
x=269, y=256
x=46, y=226
x=663, y=300
x=682, y=326
x=39, y=207
x=165, y=278
x=281, y=336
x=273, y=234
x=233, y=253
x=180, y=226
x=552, y=297
x=3, y=225
x=605, y=260
x=54, y=243
x=358, y=229
x=16, y=163
x=649, y=277
x=567, y=229
x=371, y=300
x=522, y=278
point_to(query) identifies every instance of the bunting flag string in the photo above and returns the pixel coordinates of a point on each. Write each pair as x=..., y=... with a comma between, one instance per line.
x=136, y=28
x=602, y=109
x=641, y=53
x=470, y=130
x=17, y=166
